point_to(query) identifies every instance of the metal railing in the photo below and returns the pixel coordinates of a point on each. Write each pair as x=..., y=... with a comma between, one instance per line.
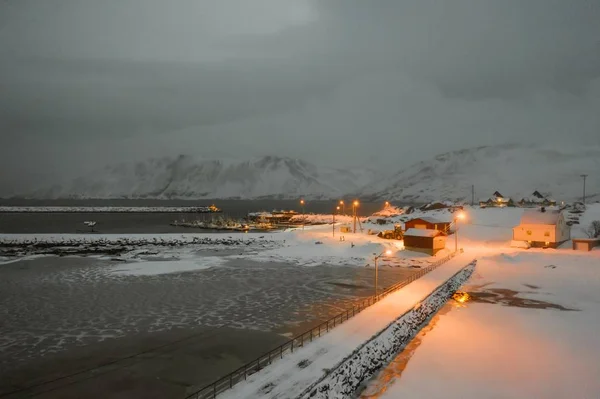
x=241, y=374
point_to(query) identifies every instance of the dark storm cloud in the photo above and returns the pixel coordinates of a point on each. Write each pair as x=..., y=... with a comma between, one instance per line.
x=107, y=80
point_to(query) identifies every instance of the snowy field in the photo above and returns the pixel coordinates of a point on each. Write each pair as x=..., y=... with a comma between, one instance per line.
x=530, y=330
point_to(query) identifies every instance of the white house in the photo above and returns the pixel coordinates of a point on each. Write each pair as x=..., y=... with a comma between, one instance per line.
x=542, y=228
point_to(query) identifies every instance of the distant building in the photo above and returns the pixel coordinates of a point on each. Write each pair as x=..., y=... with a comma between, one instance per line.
x=536, y=199
x=427, y=223
x=497, y=200
x=542, y=228
x=585, y=244
x=424, y=240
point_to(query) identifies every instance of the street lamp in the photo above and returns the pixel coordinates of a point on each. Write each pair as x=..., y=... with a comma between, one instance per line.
x=387, y=252
x=343, y=207
x=354, y=216
x=387, y=204
x=457, y=216
x=302, y=205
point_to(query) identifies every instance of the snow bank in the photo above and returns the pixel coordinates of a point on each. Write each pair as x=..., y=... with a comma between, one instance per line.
x=345, y=379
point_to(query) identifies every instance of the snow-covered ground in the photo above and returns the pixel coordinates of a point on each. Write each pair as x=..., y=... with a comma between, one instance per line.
x=290, y=376
x=530, y=331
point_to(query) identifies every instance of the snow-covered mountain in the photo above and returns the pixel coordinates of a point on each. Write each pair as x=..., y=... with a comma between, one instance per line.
x=513, y=170
x=195, y=178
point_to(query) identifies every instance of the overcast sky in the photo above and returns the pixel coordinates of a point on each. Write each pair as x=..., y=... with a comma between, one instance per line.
x=333, y=82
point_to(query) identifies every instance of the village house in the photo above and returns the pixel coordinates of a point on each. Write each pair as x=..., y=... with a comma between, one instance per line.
x=427, y=223
x=424, y=240
x=497, y=200
x=536, y=199
x=542, y=228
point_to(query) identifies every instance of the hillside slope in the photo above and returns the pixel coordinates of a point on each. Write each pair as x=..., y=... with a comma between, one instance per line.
x=514, y=170
x=193, y=177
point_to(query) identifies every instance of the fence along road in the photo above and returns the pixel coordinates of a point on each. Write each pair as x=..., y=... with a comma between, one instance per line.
x=241, y=374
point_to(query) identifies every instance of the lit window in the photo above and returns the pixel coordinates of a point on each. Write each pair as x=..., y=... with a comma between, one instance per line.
x=528, y=232
x=547, y=234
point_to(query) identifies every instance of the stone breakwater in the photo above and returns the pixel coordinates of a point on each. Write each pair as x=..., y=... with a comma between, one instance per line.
x=106, y=245
x=344, y=380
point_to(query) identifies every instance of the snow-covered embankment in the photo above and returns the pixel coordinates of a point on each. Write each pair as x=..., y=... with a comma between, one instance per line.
x=343, y=380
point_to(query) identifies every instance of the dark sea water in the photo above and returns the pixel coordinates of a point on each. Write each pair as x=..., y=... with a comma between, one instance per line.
x=150, y=222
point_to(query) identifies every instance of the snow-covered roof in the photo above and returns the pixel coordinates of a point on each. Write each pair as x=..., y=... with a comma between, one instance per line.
x=421, y=232
x=539, y=217
x=428, y=219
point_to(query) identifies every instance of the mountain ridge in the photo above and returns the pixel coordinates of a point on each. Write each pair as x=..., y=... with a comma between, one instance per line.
x=191, y=177
x=516, y=170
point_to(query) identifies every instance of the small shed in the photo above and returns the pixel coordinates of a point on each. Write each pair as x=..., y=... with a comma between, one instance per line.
x=542, y=228
x=424, y=240
x=427, y=223
x=585, y=244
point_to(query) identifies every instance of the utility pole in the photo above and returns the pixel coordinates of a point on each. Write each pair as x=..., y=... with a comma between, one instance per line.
x=472, y=194
x=456, y=235
x=584, y=176
x=337, y=209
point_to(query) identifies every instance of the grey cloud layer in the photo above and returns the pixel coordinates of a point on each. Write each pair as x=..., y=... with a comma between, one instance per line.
x=104, y=81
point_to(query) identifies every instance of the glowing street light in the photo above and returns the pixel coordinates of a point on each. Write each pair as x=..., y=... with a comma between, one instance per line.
x=354, y=214
x=387, y=252
x=458, y=216
x=387, y=204
x=337, y=209
x=302, y=205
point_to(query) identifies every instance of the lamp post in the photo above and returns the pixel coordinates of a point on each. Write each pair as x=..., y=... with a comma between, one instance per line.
x=387, y=252
x=337, y=209
x=584, y=177
x=354, y=208
x=343, y=207
x=458, y=216
x=302, y=205
x=387, y=204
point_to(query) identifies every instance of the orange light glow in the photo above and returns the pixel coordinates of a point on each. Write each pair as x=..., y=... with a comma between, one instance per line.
x=302, y=201
x=338, y=208
x=341, y=202
x=355, y=203
x=460, y=215
x=461, y=297
x=388, y=252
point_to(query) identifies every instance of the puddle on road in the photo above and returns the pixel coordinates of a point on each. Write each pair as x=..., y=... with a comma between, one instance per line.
x=508, y=297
